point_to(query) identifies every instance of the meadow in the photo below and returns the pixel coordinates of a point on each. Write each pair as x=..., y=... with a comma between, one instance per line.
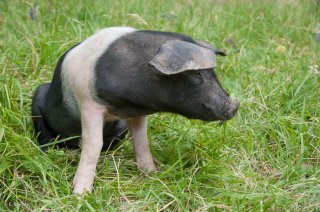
x=265, y=159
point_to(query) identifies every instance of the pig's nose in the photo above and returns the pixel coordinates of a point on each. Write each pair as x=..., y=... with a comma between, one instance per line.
x=233, y=108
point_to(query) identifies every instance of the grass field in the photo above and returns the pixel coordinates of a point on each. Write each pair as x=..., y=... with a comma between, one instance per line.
x=267, y=158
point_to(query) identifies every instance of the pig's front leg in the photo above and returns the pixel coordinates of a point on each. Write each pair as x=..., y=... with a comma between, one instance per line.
x=92, y=119
x=138, y=129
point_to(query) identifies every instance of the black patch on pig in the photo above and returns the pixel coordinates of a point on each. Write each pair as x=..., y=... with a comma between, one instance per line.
x=51, y=117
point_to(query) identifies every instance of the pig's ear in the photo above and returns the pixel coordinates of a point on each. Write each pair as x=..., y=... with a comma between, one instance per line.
x=209, y=46
x=176, y=56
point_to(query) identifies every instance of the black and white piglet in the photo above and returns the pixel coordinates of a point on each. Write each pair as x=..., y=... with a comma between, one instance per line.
x=115, y=78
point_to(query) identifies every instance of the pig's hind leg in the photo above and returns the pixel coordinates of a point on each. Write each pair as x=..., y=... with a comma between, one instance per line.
x=44, y=132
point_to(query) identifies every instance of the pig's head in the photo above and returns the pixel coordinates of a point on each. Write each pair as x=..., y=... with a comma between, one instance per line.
x=191, y=87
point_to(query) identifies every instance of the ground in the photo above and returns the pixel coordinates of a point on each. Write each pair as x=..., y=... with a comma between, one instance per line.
x=266, y=158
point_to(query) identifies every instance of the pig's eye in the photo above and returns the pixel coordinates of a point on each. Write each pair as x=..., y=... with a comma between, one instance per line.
x=196, y=78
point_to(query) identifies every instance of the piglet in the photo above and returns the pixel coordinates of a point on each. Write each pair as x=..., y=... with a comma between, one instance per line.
x=112, y=80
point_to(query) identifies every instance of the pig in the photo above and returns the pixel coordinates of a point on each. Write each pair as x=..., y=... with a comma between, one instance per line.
x=108, y=84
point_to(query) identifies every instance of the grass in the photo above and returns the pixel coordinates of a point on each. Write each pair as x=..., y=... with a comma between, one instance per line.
x=266, y=158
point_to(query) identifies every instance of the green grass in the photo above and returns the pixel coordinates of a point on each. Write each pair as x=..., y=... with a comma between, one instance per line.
x=266, y=158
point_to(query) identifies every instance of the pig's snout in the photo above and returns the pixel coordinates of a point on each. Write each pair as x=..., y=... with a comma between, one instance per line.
x=234, y=105
x=224, y=111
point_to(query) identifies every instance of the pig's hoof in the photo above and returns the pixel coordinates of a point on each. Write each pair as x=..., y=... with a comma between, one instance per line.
x=82, y=184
